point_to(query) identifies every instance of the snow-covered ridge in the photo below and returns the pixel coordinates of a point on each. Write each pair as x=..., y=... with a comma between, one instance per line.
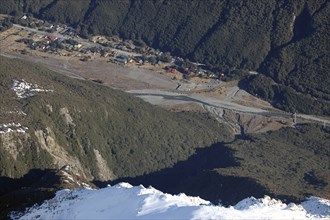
x=124, y=201
x=24, y=89
x=12, y=127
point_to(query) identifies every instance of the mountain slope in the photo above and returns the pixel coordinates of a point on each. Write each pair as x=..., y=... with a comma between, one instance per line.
x=51, y=120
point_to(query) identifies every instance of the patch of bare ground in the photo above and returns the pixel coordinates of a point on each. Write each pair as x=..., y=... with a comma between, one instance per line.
x=200, y=80
x=229, y=91
x=217, y=92
x=188, y=107
x=244, y=98
x=174, y=76
x=255, y=123
x=117, y=76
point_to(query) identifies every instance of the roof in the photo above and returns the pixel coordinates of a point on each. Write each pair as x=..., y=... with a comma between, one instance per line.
x=51, y=37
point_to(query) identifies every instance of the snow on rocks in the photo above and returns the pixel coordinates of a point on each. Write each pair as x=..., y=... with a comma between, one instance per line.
x=24, y=89
x=317, y=206
x=124, y=201
x=14, y=113
x=12, y=127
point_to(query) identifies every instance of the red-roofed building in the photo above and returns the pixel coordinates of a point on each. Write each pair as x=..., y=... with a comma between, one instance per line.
x=52, y=37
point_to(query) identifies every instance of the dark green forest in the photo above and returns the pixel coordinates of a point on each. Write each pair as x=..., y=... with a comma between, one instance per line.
x=289, y=164
x=286, y=41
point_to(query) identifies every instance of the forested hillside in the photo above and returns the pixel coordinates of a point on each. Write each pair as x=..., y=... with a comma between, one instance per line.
x=290, y=163
x=100, y=132
x=286, y=41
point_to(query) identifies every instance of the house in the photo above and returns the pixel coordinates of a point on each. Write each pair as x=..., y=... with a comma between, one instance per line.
x=77, y=46
x=122, y=47
x=211, y=75
x=173, y=69
x=52, y=38
x=121, y=59
x=150, y=51
x=42, y=46
x=48, y=25
x=201, y=73
x=104, y=54
x=180, y=59
x=138, y=59
x=87, y=51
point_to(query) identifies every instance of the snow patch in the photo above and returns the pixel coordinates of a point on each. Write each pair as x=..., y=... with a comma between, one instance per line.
x=253, y=73
x=124, y=201
x=15, y=112
x=317, y=207
x=68, y=177
x=124, y=185
x=24, y=89
x=12, y=127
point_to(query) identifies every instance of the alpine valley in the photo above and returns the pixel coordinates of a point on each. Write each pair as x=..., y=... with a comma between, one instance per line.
x=156, y=109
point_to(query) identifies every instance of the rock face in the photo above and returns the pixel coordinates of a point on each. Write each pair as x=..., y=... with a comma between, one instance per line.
x=47, y=142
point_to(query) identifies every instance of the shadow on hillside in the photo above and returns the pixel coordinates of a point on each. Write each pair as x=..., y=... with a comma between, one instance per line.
x=10, y=184
x=196, y=177
x=34, y=187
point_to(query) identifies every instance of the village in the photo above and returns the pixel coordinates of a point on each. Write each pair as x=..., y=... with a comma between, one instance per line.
x=64, y=41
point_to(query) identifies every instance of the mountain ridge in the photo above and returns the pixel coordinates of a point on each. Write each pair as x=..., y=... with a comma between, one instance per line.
x=137, y=202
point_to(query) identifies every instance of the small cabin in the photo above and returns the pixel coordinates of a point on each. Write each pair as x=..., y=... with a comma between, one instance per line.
x=121, y=59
